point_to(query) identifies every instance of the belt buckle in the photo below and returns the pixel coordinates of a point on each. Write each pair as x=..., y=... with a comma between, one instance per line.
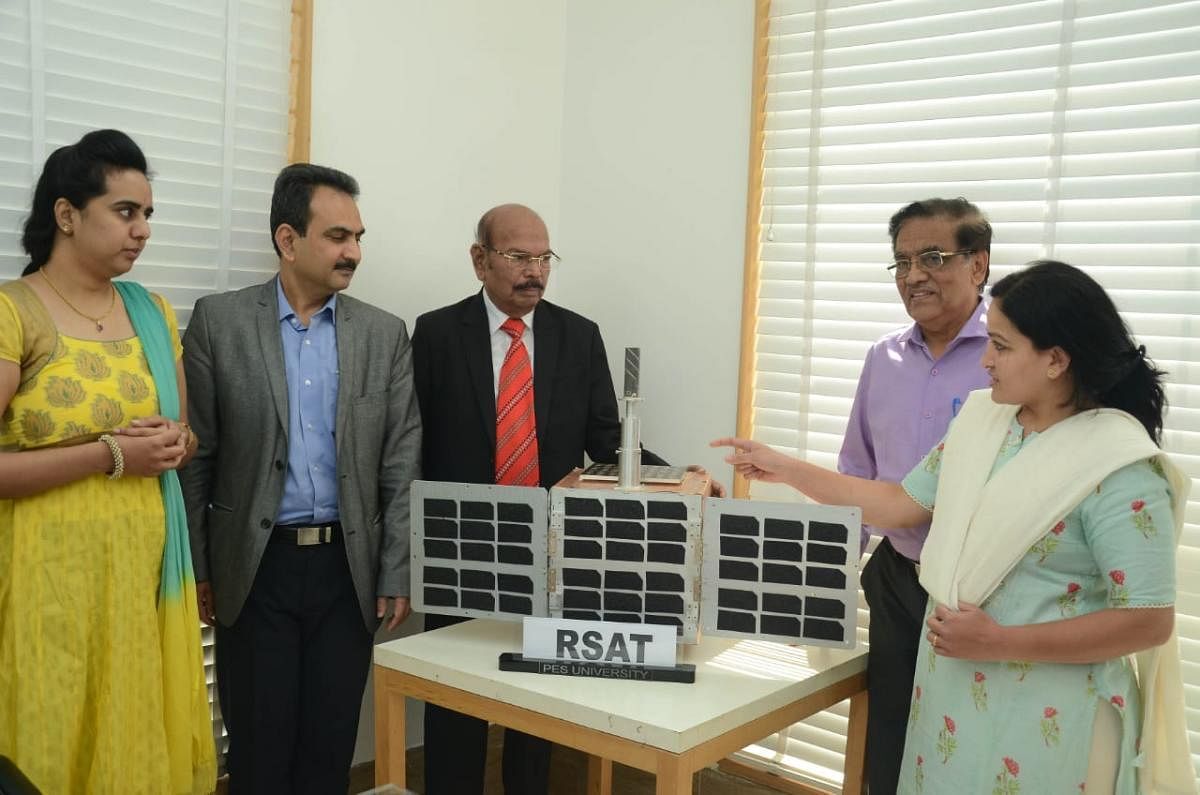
x=311, y=536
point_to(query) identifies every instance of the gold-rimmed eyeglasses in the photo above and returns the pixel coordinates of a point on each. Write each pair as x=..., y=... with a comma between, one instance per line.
x=928, y=261
x=523, y=259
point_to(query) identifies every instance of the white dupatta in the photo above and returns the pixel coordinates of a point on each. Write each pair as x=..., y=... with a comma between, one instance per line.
x=982, y=527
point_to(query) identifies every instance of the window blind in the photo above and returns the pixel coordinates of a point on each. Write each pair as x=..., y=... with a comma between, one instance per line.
x=203, y=89
x=1074, y=125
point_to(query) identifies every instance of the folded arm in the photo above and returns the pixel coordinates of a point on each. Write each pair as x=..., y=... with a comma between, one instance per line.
x=970, y=633
x=30, y=472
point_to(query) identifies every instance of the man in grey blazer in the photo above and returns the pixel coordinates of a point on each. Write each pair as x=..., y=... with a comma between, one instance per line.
x=298, y=498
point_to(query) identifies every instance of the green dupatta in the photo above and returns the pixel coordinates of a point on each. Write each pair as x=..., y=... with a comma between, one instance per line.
x=189, y=740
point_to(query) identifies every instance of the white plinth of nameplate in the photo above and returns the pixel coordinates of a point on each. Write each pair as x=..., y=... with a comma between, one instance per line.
x=598, y=649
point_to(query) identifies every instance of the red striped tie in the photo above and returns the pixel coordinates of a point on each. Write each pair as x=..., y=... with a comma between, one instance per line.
x=516, y=428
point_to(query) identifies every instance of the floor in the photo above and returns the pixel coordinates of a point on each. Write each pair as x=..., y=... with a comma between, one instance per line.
x=568, y=775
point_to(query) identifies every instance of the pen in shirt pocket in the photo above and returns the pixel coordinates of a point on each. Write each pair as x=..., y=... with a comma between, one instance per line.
x=955, y=405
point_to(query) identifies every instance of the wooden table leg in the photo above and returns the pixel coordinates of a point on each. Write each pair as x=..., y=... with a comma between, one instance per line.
x=390, y=742
x=599, y=776
x=856, y=745
x=673, y=777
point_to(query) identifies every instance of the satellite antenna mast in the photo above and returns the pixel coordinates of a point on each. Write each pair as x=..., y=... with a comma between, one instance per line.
x=629, y=454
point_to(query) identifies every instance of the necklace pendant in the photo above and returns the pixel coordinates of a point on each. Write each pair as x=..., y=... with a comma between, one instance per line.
x=99, y=326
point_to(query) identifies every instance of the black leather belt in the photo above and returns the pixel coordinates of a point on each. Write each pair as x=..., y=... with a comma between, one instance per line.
x=307, y=535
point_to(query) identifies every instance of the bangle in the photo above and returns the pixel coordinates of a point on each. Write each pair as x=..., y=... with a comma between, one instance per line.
x=191, y=436
x=118, y=456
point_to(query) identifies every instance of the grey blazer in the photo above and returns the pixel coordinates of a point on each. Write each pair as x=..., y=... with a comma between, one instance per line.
x=237, y=406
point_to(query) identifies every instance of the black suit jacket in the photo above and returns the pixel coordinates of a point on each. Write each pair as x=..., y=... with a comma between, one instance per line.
x=574, y=401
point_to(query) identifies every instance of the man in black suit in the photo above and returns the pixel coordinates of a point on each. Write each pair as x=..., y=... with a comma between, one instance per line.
x=458, y=354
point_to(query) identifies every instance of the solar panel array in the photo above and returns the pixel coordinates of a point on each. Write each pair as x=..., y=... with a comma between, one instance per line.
x=779, y=571
x=626, y=556
x=478, y=550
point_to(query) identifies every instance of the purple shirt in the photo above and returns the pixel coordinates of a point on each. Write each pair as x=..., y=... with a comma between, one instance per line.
x=903, y=406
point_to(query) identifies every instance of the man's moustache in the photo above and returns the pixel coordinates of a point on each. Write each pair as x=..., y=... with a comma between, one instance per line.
x=527, y=285
x=346, y=264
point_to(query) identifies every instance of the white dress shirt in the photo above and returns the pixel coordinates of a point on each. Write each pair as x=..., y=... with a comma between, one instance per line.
x=501, y=341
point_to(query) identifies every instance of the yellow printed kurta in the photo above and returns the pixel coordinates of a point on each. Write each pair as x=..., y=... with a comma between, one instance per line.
x=81, y=679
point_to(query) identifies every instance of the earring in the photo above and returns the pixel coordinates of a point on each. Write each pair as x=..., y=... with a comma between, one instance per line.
x=66, y=229
x=1052, y=372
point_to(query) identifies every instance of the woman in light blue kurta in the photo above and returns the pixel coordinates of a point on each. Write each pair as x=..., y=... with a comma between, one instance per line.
x=1016, y=726
x=1050, y=561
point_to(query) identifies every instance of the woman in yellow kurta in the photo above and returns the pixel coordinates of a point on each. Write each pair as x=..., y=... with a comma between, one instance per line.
x=102, y=686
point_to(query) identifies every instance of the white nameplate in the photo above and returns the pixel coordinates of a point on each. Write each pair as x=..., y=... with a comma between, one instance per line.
x=569, y=639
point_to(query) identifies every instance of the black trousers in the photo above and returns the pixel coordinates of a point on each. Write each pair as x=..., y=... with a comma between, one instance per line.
x=291, y=672
x=897, y=603
x=456, y=749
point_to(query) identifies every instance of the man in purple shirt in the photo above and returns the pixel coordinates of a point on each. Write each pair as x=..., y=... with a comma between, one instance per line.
x=912, y=384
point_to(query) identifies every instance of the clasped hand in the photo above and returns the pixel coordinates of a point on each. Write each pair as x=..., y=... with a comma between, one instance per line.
x=968, y=633
x=152, y=445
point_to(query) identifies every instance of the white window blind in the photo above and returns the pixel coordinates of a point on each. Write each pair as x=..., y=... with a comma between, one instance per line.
x=202, y=88
x=1074, y=125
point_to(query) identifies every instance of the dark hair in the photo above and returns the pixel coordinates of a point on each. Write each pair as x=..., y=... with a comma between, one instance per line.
x=291, y=202
x=78, y=173
x=1055, y=304
x=974, y=233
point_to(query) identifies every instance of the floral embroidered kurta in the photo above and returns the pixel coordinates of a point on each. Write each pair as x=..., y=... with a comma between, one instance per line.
x=1015, y=726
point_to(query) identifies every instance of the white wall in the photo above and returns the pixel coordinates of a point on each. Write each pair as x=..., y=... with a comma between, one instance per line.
x=624, y=123
x=440, y=110
x=656, y=120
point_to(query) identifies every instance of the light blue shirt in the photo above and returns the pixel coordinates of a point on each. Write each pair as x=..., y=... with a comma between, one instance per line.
x=310, y=362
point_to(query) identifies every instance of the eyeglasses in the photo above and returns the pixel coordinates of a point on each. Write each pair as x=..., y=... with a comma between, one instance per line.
x=522, y=259
x=928, y=261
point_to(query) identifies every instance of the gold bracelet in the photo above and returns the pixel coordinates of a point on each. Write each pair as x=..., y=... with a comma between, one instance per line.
x=118, y=456
x=192, y=438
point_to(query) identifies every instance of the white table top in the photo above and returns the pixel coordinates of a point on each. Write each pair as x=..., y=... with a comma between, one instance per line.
x=736, y=681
